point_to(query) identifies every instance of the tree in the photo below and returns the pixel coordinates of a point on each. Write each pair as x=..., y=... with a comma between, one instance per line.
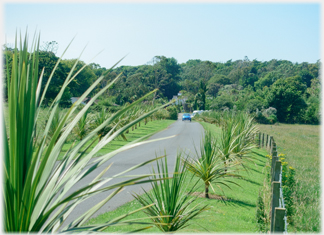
x=213, y=89
x=286, y=96
x=220, y=79
x=47, y=61
x=50, y=47
x=83, y=80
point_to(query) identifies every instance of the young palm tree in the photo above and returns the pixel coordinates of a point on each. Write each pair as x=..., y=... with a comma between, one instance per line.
x=172, y=208
x=209, y=167
x=36, y=187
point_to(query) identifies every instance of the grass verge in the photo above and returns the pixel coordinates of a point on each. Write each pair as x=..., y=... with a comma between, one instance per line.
x=233, y=211
x=150, y=128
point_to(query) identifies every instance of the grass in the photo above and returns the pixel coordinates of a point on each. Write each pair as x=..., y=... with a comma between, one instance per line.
x=236, y=213
x=150, y=128
x=300, y=144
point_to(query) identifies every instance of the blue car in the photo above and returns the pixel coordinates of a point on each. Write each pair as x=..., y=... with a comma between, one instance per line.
x=186, y=116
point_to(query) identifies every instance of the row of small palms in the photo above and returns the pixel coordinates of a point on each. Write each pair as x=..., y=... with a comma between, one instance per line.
x=216, y=165
x=89, y=121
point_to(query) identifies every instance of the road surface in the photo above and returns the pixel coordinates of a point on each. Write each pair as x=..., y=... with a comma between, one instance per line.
x=187, y=136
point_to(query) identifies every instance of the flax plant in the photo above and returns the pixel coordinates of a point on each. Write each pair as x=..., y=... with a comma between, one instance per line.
x=82, y=127
x=36, y=186
x=208, y=165
x=237, y=139
x=172, y=209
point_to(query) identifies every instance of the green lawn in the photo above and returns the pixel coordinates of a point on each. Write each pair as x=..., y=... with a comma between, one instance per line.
x=236, y=214
x=150, y=128
x=300, y=144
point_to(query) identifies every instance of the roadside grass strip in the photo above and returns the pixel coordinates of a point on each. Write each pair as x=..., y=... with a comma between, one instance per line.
x=148, y=129
x=231, y=210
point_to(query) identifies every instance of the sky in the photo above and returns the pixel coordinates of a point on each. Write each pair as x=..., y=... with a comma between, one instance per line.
x=217, y=32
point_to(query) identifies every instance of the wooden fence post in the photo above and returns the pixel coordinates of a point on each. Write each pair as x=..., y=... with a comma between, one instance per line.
x=270, y=143
x=259, y=139
x=273, y=149
x=274, y=201
x=277, y=170
x=262, y=140
x=279, y=223
x=266, y=144
x=273, y=164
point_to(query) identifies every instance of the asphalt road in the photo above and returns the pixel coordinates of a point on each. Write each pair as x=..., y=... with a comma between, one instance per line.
x=187, y=136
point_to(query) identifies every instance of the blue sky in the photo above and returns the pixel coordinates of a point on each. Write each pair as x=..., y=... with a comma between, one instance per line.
x=208, y=31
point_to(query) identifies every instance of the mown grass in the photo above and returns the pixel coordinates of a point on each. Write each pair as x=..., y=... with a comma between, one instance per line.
x=236, y=213
x=150, y=128
x=300, y=144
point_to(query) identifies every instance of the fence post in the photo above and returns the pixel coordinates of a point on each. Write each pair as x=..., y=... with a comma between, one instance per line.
x=270, y=144
x=262, y=140
x=259, y=139
x=279, y=223
x=277, y=170
x=266, y=143
x=273, y=163
x=274, y=201
x=274, y=148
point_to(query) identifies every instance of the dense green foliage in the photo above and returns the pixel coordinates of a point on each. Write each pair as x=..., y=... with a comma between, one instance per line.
x=292, y=90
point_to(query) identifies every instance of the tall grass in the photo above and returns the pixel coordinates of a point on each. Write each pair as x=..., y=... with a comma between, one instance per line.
x=36, y=185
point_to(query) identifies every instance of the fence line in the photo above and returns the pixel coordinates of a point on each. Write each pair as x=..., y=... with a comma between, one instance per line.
x=278, y=212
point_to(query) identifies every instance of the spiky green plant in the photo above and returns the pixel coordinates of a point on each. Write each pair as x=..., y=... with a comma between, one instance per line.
x=36, y=187
x=172, y=209
x=208, y=165
x=237, y=138
x=82, y=127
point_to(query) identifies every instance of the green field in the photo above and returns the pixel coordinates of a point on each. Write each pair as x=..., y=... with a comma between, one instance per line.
x=300, y=144
x=236, y=213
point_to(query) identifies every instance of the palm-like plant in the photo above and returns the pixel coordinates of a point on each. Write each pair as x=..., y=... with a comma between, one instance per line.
x=209, y=167
x=82, y=127
x=36, y=185
x=172, y=209
x=237, y=138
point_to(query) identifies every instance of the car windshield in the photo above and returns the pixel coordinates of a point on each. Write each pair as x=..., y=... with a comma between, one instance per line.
x=186, y=114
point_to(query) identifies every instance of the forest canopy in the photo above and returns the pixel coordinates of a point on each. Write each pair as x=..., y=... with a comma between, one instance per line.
x=275, y=90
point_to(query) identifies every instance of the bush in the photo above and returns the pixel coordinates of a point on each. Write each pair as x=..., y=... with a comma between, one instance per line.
x=161, y=114
x=173, y=113
x=267, y=116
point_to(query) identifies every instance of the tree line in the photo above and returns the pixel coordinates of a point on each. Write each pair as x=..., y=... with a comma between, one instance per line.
x=275, y=90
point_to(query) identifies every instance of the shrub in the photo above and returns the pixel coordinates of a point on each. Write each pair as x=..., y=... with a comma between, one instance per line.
x=173, y=112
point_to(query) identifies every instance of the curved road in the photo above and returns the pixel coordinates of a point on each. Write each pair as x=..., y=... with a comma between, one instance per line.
x=187, y=136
